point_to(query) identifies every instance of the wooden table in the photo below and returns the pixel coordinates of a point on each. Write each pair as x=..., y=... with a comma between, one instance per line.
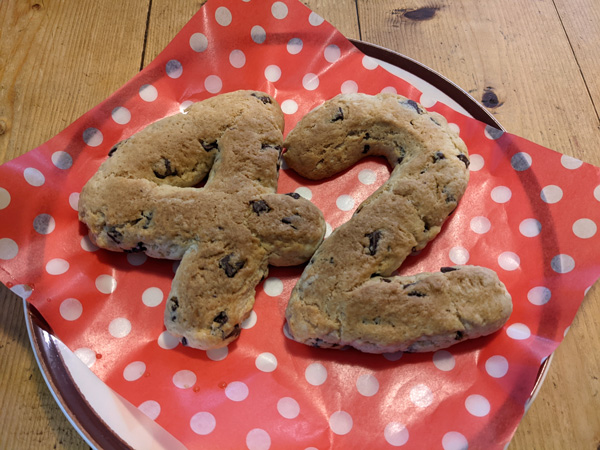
x=535, y=66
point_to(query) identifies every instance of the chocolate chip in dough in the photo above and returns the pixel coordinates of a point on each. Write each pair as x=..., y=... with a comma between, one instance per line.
x=234, y=333
x=230, y=267
x=115, y=235
x=209, y=146
x=448, y=269
x=140, y=247
x=260, y=206
x=339, y=115
x=262, y=98
x=374, y=238
x=464, y=159
x=294, y=195
x=416, y=294
x=438, y=156
x=184, y=341
x=221, y=318
x=459, y=335
x=165, y=170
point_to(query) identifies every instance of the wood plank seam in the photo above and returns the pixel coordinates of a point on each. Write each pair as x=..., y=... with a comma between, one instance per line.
x=142, y=62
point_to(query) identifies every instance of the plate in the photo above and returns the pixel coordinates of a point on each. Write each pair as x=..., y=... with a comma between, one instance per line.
x=106, y=420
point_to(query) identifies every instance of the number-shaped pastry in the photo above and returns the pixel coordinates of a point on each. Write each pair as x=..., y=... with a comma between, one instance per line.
x=346, y=296
x=143, y=199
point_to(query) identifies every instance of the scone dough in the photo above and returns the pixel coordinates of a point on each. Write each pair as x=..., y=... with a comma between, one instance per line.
x=346, y=296
x=144, y=199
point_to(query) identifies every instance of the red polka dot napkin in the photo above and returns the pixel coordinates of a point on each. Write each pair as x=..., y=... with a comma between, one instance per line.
x=529, y=213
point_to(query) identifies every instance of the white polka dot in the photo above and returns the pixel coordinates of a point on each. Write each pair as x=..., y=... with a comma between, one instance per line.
x=521, y=161
x=119, y=327
x=332, y=53
x=344, y=202
x=250, y=321
x=74, y=201
x=44, y=224
x=266, y=362
x=152, y=296
x=237, y=59
x=584, y=228
x=316, y=374
x=568, y=162
x=273, y=286
x=185, y=105
x=459, y=255
x=62, y=160
x=258, y=439
x=477, y=163
x=427, y=101
x=167, y=341
x=57, y=266
x=184, y=379
x=367, y=385
x=198, y=42
x=421, y=396
x=223, y=16
x=304, y=192
x=310, y=81
x=8, y=249
x=369, y=63
x=340, y=422
x=34, y=177
x=562, y=263
x=148, y=93
x=597, y=193
x=551, y=194
x=86, y=356
x=136, y=259
x=396, y=434
x=492, y=133
x=480, y=224
x=444, y=360
x=501, y=194
x=150, y=408
x=217, y=354
x=530, y=227
x=70, y=309
x=236, y=391
x=509, y=261
x=349, y=87
x=477, y=405
x=315, y=20
x=294, y=46
x=328, y=229
x=92, y=137
x=203, y=423
x=496, y=366
x=4, y=198
x=22, y=290
x=279, y=10
x=367, y=176
x=453, y=440
x=121, y=115
x=213, y=84
x=289, y=106
x=106, y=284
x=288, y=407
x=393, y=356
x=272, y=73
x=134, y=371
x=173, y=69
x=539, y=295
x=518, y=331
x=454, y=127
x=258, y=34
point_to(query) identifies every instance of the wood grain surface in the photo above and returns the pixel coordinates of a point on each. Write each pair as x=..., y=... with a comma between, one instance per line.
x=533, y=64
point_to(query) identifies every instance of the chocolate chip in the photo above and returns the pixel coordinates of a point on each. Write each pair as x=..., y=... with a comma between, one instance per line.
x=438, y=156
x=459, y=335
x=184, y=341
x=374, y=238
x=113, y=149
x=373, y=275
x=260, y=206
x=230, y=267
x=209, y=146
x=263, y=98
x=435, y=121
x=271, y=147
x=416, y=294
x=331, y=261
x=165, y=172
x=140, y=247
x=294, y=195
x=339, y=115
x=385, y=280
x=464, y=159
x=148, y=216
x=115, y=235
x=288, y=221
x=414, y=105
x=221, y=318
x=448, y=269
x=450, y=198
x=174, y=303
x=234, y=333
x=408, y=285
x=366, y=148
